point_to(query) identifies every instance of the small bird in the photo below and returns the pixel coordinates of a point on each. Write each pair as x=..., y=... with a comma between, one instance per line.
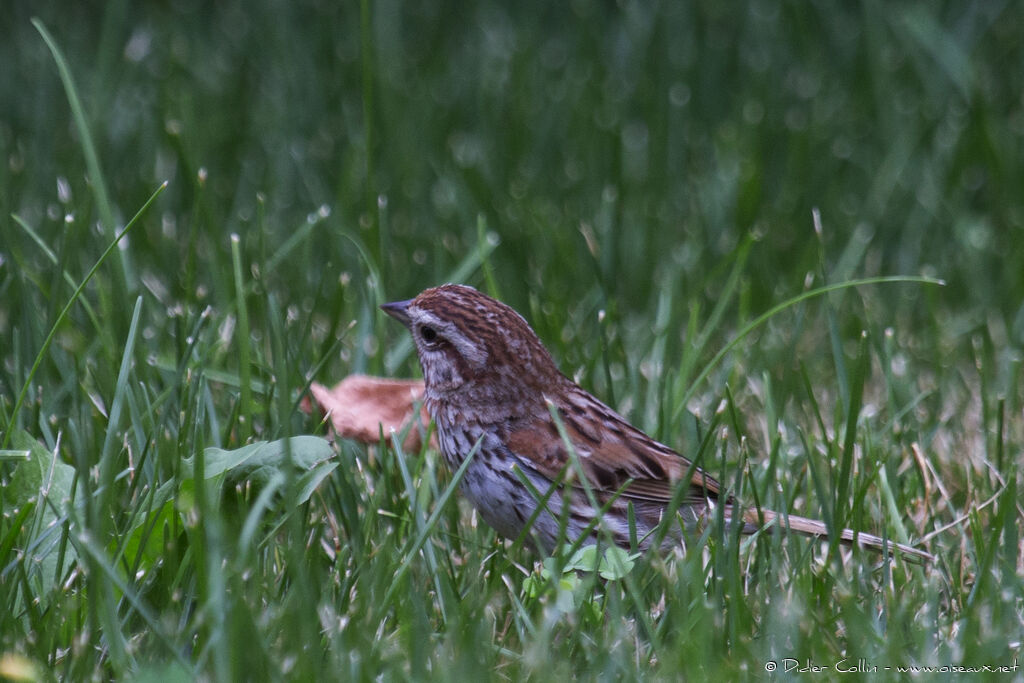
x=492, y=385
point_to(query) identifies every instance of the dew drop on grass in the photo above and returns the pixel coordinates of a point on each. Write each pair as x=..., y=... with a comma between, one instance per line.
x=63, y=190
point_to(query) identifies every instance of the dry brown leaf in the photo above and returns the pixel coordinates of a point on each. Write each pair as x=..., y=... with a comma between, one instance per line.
x=359, y=406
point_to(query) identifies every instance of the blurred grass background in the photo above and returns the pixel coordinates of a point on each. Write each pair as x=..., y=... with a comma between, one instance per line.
x=656, y=161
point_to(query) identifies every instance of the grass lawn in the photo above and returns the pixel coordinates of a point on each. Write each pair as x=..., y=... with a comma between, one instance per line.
x=202, y=205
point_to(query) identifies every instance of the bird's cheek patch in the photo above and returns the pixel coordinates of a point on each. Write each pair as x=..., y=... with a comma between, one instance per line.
x=473, y=354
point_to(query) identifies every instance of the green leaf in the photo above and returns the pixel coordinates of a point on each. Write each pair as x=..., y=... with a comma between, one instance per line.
x=40, y=473
x=584, y=559
x=309, y=481
x=616, y=563
x=146, y=535
x=44, y=481
x=260, y=462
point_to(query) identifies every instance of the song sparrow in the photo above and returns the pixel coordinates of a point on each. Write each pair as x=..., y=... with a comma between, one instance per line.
x=489, y=380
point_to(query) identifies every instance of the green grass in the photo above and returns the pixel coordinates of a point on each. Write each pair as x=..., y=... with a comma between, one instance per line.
x=640, y=181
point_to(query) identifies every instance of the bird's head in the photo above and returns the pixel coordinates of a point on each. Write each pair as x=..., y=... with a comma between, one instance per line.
x=467, y=339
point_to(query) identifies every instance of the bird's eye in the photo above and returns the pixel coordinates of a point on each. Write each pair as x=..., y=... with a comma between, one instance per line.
x=428, y=333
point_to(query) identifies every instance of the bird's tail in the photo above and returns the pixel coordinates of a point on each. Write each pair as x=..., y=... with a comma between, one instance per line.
x=766, y=519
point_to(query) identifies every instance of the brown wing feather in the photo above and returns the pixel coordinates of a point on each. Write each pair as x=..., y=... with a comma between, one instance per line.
x=611, y=451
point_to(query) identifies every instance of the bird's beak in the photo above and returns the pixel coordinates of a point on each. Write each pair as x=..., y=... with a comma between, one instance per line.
x=399, y=310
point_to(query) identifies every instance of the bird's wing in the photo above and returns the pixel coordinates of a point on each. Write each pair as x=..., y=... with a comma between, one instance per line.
x=611, y=451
